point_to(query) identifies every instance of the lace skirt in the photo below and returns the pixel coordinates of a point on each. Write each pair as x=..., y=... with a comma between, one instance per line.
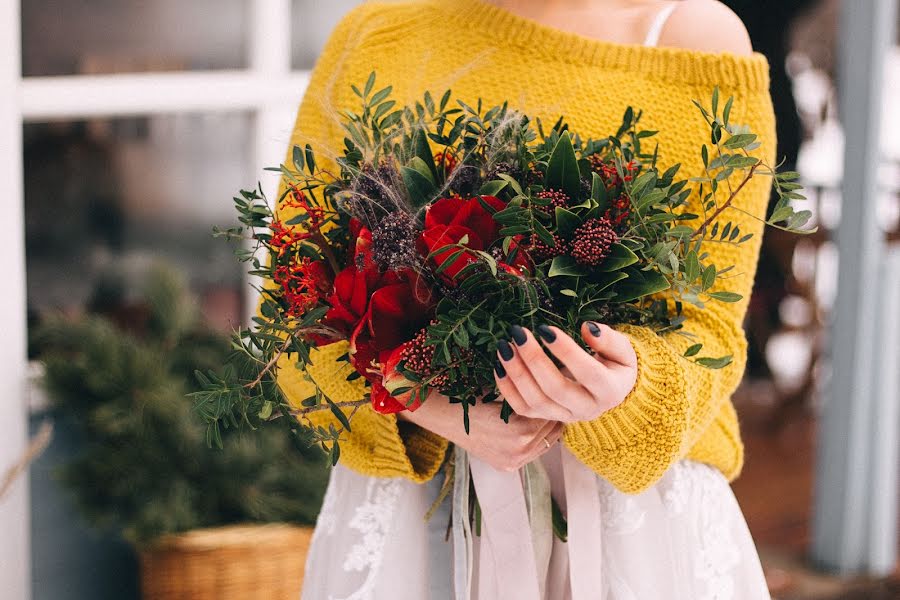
x=683, y=539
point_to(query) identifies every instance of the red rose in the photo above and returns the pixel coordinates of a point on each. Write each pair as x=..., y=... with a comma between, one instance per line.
x=354, y=285
x=377, y=312
x=470, y=214
x=396, y=312
x=438, y=236
x=449, y=220
x=521, y=263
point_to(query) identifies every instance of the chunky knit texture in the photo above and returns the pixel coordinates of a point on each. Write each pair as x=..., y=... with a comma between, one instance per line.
x=677, y=409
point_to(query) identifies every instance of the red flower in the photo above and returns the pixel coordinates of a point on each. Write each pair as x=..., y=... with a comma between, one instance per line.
x=395, y=314
x=285, y=238
x=378, y=312
x=304, y=282
x=449, y=220
x=382, y=399
x=521, y=263
x=297, y=199
x=437, y=237
x=354, y=285
x=470, y=214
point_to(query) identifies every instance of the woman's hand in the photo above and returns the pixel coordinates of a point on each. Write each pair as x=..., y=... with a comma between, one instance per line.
x=504, y=446
x=589, y=385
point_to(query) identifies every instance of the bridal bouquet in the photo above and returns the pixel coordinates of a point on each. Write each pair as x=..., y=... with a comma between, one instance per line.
x=442, y=224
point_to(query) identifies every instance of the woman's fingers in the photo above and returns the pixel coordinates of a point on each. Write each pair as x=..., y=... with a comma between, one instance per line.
x=609, y=344
x=544, y=440
x=606, y=377
x=518, y=385
x=541, y=443
x=584, y=368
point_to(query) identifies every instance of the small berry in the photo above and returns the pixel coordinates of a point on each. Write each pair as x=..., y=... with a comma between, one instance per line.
x=592, y=241
x=541, y=251
x=557, y=198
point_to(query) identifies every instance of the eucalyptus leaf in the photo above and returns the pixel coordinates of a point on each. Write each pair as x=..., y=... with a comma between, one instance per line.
x=714, y=363
x=725, y=296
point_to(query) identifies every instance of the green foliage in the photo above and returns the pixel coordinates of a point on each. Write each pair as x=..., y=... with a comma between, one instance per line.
x=144, y=467
x=654, y=242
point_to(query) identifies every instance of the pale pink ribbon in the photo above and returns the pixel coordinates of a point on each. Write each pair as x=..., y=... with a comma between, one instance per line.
x=507, y=567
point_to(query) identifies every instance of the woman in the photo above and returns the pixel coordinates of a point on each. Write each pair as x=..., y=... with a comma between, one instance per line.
x=651, y=438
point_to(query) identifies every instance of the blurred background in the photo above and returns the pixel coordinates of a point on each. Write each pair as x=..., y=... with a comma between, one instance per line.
x=134, y=123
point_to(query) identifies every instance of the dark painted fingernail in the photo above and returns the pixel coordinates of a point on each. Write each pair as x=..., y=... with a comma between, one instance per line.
x=518, y=335
x=498, y=368
x=506, y=351
x=594, y=329
x=546, y=333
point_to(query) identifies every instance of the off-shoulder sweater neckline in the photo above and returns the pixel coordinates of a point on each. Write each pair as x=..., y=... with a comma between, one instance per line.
x=499, y=26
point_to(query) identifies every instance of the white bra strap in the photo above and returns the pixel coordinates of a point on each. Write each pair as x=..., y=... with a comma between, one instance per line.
x=658, y=23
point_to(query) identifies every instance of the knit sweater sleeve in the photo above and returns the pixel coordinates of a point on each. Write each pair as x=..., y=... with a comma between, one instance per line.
x=378, y=445
x=675, y=400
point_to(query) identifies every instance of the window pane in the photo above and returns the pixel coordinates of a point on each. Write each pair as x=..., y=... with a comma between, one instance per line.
x=65, y=37
x=106, y=199
x=312, y=23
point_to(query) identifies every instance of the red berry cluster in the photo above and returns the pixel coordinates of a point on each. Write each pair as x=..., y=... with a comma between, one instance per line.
x=592, y=240
x=540, y=251
x=417, y=356
x=557, y=198
x=446, y=161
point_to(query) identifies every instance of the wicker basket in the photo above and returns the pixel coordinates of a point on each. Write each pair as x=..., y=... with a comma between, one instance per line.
x=241, y=562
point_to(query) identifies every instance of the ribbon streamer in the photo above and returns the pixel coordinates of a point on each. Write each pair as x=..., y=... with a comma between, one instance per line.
x=585, y=528
x=462, y=532
x=517, y=530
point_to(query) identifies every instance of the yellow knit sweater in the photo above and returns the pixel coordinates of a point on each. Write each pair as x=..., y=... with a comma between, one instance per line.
x=677, y=409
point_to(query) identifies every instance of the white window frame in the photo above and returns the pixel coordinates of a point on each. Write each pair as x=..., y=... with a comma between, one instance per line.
x=268, y=88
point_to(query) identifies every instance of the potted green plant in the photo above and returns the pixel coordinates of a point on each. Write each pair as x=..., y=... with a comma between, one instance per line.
x=192, y=513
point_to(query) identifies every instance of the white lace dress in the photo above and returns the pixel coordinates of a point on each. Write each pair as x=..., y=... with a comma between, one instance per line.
x=683, y=539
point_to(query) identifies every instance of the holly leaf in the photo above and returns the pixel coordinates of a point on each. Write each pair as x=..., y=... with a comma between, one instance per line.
x=566, y=265
x=566, y=222
x=562, y=169
x=640, y=284
x=492, y=188
x=619, y=257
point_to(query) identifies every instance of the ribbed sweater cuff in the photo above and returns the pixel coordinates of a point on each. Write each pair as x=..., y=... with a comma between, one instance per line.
x=378, y=445
x=401, y=450
x=634, y=443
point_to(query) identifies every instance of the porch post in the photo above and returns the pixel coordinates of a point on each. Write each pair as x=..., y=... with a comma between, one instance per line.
x=845, y=471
